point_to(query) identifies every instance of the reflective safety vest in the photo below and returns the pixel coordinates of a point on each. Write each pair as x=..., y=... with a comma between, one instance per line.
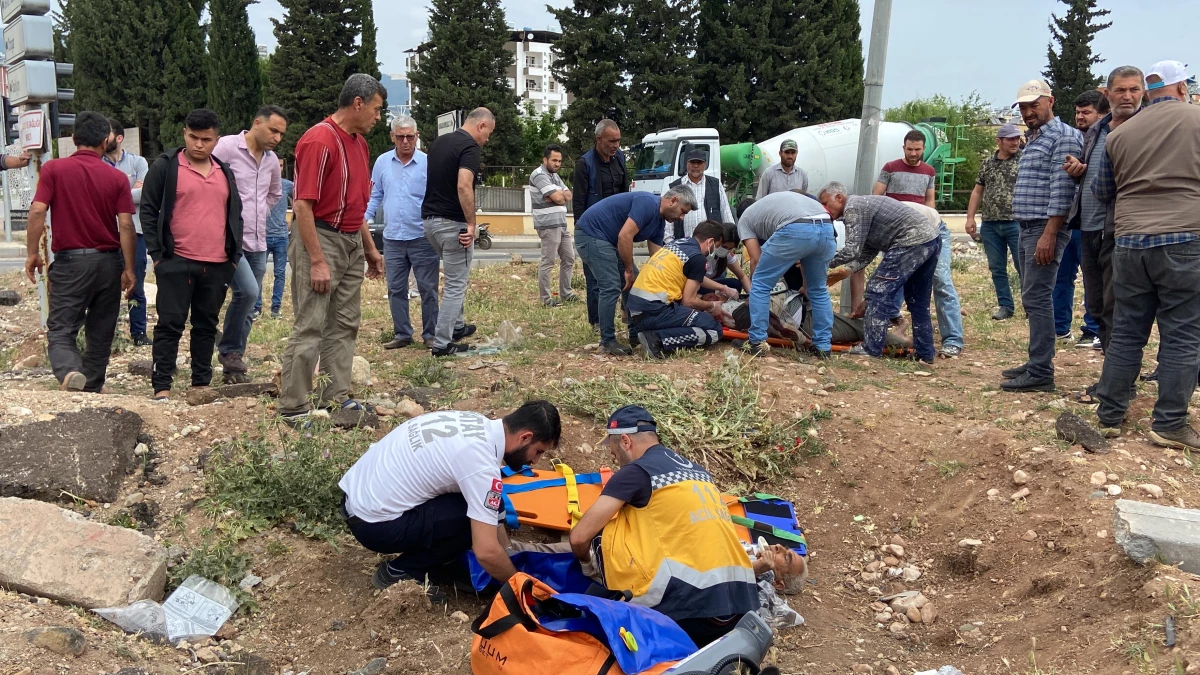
x=661, y=278
x=679, y=554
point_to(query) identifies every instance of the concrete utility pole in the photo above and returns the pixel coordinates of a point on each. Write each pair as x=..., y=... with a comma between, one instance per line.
x=872, y=113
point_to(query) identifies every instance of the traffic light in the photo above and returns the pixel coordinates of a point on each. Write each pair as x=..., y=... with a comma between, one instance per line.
x=12, y=131
x=29, y=53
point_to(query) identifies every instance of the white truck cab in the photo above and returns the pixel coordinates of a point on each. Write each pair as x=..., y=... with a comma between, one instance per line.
x=659, y=159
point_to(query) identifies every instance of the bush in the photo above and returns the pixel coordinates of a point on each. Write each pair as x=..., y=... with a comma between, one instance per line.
x=293, y=482
x=719, y=423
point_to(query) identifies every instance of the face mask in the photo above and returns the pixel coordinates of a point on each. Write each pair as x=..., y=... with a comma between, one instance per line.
x=721, y=252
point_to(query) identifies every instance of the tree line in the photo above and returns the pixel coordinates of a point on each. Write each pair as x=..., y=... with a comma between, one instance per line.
x=149, y=63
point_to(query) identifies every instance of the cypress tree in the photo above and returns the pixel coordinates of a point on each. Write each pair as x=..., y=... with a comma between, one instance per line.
x=1069, y=70
x=590, y=62
x=729, y=65
x=183, y=77
x=465, y=65
x=234, y=85
x=315, y=55
x=378, y=140
x=659, y=49
x=830, y=53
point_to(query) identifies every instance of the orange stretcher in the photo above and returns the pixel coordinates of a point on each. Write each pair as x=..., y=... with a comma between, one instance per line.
x=554, y=500
x=730, y=334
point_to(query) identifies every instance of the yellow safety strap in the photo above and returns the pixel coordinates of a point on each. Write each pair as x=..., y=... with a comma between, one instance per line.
x=572, y=490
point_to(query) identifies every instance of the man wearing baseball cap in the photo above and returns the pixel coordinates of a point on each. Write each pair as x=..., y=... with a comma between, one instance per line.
x=1150, y=170
x=710, y=197
x=992, y=197
x=784, y=175
x=1042, y=200
x=661, y=530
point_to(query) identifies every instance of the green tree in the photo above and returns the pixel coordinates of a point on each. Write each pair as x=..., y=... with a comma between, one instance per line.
x=183, y=73
x=966, y=118
x=464, y=66
x=729, y=65
x=590, y=62
x=1069, y=70
x=234, y=81
x=155, y=52
x=378, y=139
x=316, y=53
x=538, y=131
x=658, y=51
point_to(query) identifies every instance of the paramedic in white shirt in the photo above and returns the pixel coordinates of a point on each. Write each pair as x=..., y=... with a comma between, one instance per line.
x=430, y=491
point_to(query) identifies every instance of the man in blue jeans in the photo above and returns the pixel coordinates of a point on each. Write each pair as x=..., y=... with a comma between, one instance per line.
x=798, y=228
x=398, y=182
x=1041, y=201
x=912, y=180
x=1090, y=106
x=604, y=239
x=993, y=197
x=277, y=245
x=910, y=244
x=134, y=167
x=251, y=157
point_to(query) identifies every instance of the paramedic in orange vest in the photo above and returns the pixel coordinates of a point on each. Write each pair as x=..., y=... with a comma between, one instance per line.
x=671, y=542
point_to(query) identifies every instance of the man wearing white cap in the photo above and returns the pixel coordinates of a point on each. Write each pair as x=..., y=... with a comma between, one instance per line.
x=1150, y=169
x=1041, y=202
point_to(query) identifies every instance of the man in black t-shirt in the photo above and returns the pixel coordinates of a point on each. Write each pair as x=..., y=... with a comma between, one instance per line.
x=449, y=215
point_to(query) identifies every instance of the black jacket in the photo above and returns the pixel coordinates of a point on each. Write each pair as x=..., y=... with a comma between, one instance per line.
x=158, y=203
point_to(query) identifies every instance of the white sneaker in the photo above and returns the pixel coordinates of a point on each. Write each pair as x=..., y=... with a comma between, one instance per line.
x=1096, y=344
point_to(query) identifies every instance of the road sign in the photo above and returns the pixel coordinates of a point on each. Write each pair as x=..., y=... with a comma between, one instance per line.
x=29, y=37
x=448, y=122
x=11, y=8
x=32, y=82
x=33, y=129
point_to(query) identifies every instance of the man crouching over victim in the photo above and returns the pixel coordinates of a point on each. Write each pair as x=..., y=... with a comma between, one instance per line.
x=431, y=489
x=671, y=543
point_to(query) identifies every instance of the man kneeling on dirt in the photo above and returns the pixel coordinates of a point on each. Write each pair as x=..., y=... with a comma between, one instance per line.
x=665, y=306
x=671, y=542
x=430, y=490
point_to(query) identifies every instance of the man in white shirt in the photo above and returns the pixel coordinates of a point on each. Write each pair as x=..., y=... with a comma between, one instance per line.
x=710, y=197
x=430, y=490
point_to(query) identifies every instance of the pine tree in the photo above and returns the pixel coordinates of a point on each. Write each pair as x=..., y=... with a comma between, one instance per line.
x=728, y=65
x=378, y=139
x=659, y=49
x=234, y=85
x=590, y=62
x=465, y=65
x=1069, y=70
x=830, y=52
x=133, y=52
x=316, y=54
x=812, y=66
x=183, y=77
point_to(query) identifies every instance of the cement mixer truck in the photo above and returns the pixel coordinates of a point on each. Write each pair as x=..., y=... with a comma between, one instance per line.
x=826, y=151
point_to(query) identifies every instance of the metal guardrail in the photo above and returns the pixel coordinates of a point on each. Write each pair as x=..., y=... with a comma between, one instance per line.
x=500, y=199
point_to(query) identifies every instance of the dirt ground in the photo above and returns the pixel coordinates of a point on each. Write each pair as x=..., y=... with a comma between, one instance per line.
x=923, y=457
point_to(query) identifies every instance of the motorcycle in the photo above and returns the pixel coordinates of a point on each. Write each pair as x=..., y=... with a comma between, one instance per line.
x=483, y=239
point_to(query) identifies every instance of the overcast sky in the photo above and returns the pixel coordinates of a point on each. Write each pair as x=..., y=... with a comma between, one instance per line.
x=947, y=47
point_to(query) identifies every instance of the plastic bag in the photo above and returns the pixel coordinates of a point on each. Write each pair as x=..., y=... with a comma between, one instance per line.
x=944, y=670
x=198, y=608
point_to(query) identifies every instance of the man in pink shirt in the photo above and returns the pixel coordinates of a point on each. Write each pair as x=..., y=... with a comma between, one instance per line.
x=256, y=167
x=192, y=223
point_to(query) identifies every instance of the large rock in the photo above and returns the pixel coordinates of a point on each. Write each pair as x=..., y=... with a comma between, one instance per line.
x=9, y=298
x=249, y=389
x=86, y=453
x=1152, y=532
x=1073, y=429
x=59, y=554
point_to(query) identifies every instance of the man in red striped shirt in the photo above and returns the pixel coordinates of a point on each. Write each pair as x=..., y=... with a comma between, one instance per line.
x=329, y=245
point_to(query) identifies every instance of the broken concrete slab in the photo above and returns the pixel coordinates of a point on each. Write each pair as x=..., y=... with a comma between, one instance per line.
x=86, y=453
x=58, y=554
x=1152, y=532
x=1073, y=429
x=206, y=395
x=249, y=389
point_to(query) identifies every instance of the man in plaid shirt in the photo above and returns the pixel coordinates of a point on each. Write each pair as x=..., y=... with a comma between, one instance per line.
x=1042, y=199
x=1149, y=169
